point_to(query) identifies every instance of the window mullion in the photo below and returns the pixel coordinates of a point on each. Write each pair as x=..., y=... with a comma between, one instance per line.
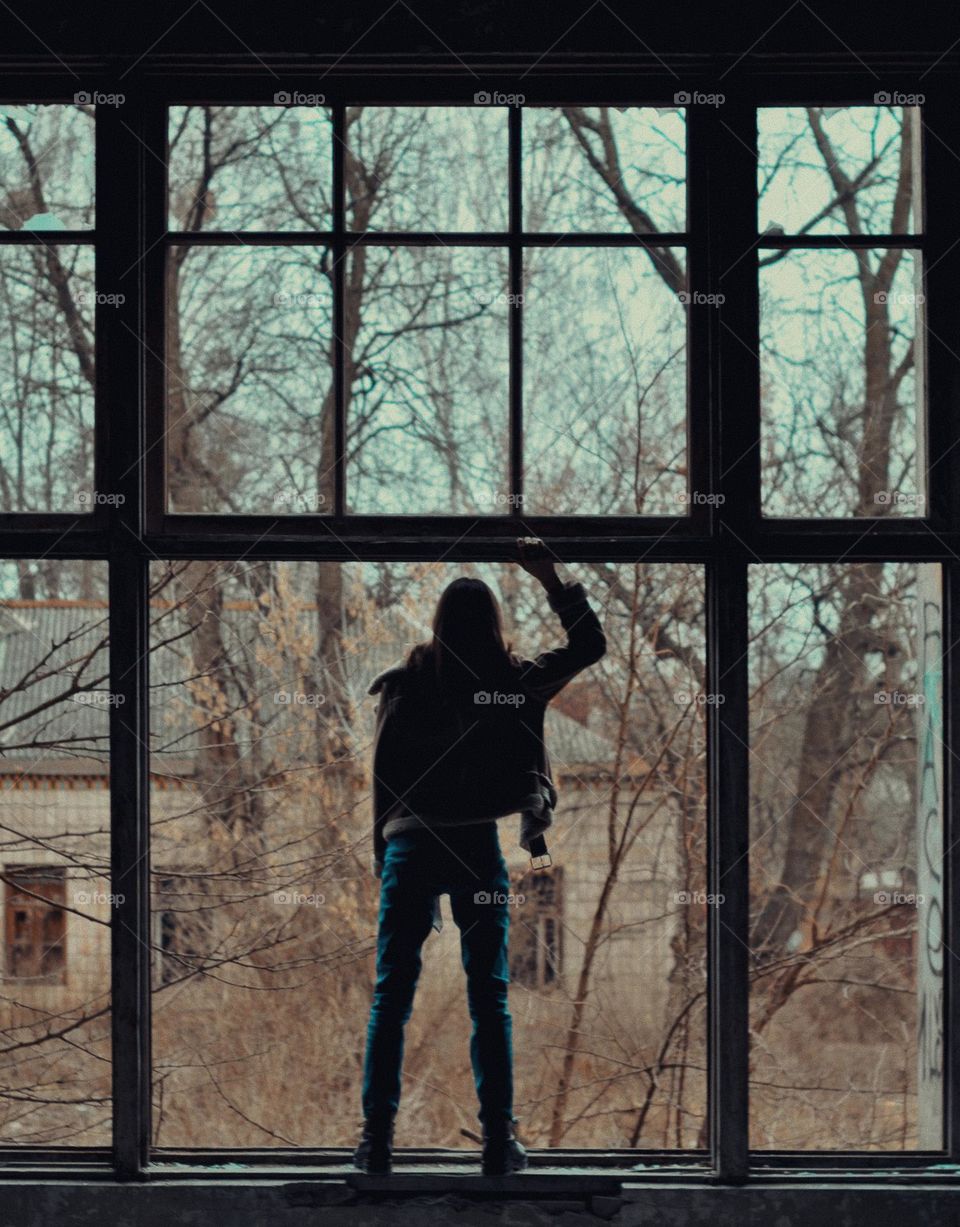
x=121, y=159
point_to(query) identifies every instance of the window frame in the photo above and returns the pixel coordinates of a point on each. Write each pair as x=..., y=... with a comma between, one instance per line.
x=723, y=442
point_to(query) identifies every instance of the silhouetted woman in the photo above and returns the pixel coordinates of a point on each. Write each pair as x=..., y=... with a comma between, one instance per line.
x=459, y=744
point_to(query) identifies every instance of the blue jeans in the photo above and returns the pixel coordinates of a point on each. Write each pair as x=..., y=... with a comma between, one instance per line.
x=466, y=863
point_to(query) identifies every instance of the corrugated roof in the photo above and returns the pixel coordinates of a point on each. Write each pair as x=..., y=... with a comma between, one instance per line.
x=45, y=643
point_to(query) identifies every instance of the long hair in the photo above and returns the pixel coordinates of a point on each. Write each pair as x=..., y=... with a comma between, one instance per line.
x=467, y=651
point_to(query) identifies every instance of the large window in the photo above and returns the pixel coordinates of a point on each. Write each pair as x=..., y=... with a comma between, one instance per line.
x=317, y=355
x=376, y=288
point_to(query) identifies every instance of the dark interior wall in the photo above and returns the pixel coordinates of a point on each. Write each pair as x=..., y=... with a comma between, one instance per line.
x=445, y=29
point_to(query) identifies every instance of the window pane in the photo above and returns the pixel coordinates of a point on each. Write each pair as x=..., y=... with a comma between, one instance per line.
x=46, y=378
x=605, y=383
x=46, y=167
x=839, y=170
x=250, y=168
x=264, y=901
x=248, y=376
x=429, y=384
x=426, y=168
x=604, y=168
x=846, y=856
x=842, y=418
x=55, y=861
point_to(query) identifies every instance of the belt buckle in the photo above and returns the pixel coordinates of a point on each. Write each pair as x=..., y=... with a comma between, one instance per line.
x=541, y=862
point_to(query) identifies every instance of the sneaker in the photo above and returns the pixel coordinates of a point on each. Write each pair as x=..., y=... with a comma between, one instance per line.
x=502, y=1153
x=375, y=1150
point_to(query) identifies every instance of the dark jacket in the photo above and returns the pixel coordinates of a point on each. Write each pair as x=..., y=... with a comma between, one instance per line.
x=459, y=765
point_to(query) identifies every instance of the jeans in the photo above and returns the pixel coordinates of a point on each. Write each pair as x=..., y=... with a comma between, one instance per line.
x=466, y=863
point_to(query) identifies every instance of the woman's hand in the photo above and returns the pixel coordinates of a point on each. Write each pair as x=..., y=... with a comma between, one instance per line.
x=537, y=562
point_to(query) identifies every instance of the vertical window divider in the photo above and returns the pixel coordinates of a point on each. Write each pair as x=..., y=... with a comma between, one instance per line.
x=730, y=167
x=122, y=163
x=339, y=310
x=153, y=254
x=515, y=310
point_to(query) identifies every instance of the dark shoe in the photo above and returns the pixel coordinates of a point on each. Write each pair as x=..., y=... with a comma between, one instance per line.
x=502, y=1153
x=374, y=1153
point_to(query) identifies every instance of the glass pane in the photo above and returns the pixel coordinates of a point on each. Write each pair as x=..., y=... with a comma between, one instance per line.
x=249, y=384
x=250, y=168
x=846, y=857
x=604, y=168
x=55, y=861
x=605, y=384
x=265, y=905
x=46, y=167
x=47, y=369
x=429, y=383
x=840, y=336
x=839, y=170
x=426, y=168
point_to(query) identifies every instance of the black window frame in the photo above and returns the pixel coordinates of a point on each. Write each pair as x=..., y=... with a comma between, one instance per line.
x=724, y=437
